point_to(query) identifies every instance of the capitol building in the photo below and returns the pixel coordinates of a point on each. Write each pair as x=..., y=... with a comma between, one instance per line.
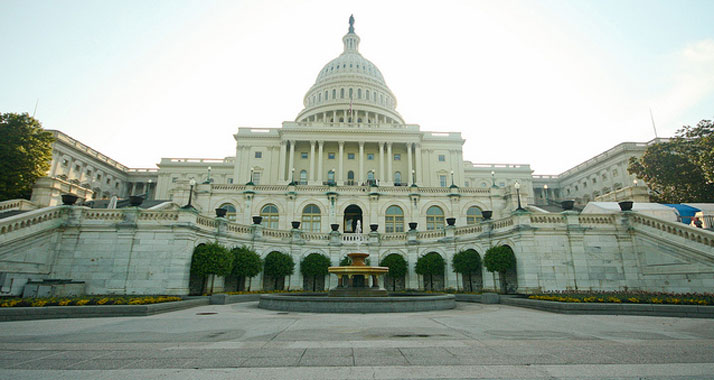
x=348, y=159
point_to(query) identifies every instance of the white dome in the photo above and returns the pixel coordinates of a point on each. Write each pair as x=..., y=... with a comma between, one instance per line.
x=350, y=85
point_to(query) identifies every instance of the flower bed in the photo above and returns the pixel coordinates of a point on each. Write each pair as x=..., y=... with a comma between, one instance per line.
x=636, y=297
x=272, y=292
x=82, y=301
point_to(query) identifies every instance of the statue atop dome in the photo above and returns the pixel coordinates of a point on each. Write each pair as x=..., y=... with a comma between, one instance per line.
x=352, y=24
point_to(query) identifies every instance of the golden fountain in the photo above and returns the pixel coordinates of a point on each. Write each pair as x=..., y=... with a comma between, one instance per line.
x=353, y=280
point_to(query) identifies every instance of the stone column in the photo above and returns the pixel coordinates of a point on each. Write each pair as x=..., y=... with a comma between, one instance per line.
x=236, y=166
x=339, y=172
x=311, y=177
x=409, y=164
x=381, y=161
x=320, y=158
x=361, y=162
x=390, y=158
x=419, y=166
x=460, y=164
x=291, y=165
x=281, y=167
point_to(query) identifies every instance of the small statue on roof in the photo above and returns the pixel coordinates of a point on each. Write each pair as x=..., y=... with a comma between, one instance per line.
x=352, y=24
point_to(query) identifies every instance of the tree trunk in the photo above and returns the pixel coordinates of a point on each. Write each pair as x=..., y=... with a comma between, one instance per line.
x=394, y=284
x=314, y=283
x=471, y=287
x=431, y=282
x=250, y=281
x=213, y=279
x=276, y=284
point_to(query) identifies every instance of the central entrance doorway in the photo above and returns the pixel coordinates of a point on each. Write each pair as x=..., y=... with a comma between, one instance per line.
x=352, y=214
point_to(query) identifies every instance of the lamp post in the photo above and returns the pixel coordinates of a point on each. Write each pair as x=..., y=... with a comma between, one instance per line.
x=493, y=178
x=192, y=182
x=252, y=169
x=148, y=189
x=292, y=176
x=413, y=177
x=545, y=193
x=452, y=178
x=518, y=195
x=208, y=176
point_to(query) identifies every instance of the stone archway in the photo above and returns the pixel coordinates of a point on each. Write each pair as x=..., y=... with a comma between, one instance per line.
x=509, y=282
x=352, y=214
x=196, y=283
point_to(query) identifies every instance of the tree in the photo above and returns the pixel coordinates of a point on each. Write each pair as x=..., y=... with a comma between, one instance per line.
x=25, y=154
x=314, y=265
x=500, y=259
x=430, y=264
x=397, y=268
x=278, y=265
x=211, y=259
x=467, y=262
x=246, y=263
x=682, y=169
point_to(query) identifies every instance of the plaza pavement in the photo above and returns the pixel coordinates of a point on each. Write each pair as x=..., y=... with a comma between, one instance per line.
x=240, y=341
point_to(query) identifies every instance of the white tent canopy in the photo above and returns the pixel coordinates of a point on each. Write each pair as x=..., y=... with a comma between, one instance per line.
x=655, y=210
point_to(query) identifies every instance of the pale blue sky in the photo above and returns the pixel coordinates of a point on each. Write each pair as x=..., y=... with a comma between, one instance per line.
x=549, y=83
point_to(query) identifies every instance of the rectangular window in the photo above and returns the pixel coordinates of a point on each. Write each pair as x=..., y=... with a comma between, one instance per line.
x=116, y=185
x=331, y=155
x=442, y=180
x=109, y=181
x=466, y=183
x=230, y=180
x=76, y=167
x=442, y=157
x=303, y=155
x=99, y=176
x=370, y=156
x=350, y=156
x=397, y=157
x=256, y=178
x=174, y=179
x=258, y=154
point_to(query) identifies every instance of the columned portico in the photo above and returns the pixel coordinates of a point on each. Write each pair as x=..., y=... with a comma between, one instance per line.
x=390, y=158
x=409, y=166
x=360, y=177
x=319, y=161
x=291, y=165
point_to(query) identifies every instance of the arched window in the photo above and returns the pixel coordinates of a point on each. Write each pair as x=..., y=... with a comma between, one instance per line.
x=434, y=218
x=230, y=211
x=350, y=93
x=334, y=94
x=397, y=178
x=473, y=215
x=366, y=94
x=394, y=219
x=303, y=177
x=359, y=93
x=342, y=93
x=270, y=216
x=331, y=176
x=350, y=177
x=319, y=97
x=325, y=95
x=311, y=218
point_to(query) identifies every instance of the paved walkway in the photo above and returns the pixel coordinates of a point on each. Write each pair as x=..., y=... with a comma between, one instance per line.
x=241, y=341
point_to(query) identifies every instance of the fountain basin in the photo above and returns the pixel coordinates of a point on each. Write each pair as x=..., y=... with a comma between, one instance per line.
x=321, y=303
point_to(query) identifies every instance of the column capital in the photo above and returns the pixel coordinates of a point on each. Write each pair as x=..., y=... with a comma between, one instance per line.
x=321, y=142
x=361, y=144
x=342, y=143
x=312, y=143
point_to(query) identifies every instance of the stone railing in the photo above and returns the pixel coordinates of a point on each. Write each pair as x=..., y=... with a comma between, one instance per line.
x=17, y=204
x=238, y=228
x=206, y=221
x=349, y=189
x=22, y=222
x=684, y=231
x=279, y=234
x=159, y=215
x=596, y=219
x=349, y=238
x=393, y=236
x=103, y=215
x=315, y=236
x=547, y=219
x=435, y=234
x=472, y=229
x=503, y=223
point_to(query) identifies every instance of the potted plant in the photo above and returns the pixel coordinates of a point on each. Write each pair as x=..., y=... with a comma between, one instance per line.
x=487, y=214
x=221, y=212
x=373, y=227
x=412, y=226
x=295, y=225
x=625, y=205
x=257, y=219
x=451, y=221
x=334, y=226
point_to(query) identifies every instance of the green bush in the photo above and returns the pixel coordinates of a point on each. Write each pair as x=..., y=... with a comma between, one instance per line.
x=278, y=265
x=314, y=265
x=499, y=259
x=465, y=263
x=429, y=265
x=211, y=259
x=397, y=268
x=246, y=263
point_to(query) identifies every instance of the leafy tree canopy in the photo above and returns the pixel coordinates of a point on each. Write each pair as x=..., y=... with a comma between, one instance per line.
x=499, y=259
x=396, y=264
x=466, y=261
x=278, y=264
x=430, y=264
x=682, y=169
x=246, y=262
x=314, y=265
x=211, y=258
x=25, y=154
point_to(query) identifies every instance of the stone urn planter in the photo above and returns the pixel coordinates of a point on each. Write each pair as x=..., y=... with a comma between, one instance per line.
x=295, y=225
x=567, y=205
x=136, y=200
x=373, y=227
x=412, y=226
x=221, y=212
x=69, y=199
x=257, y=219
x=487, y=214
x=625, y=205
x=451, y=221
x=334, y=226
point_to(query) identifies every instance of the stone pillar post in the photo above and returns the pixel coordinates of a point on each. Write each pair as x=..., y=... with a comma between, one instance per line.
x=281, y=167
x=319, y=161
x=291, y=164
x=409, y=165
x=381, y=162
x=419, y=166
x=390, y=158
x=361, y=162
x=311, y=177
x=340, y=175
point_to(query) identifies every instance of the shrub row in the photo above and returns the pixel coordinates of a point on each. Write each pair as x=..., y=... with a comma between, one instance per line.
x=628, y=297
x=82, y=301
